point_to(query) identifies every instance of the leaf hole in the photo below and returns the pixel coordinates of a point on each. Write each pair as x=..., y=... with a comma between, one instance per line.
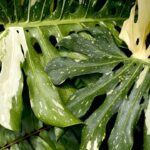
x=98, y=100
x=99, y=4
x=37, y=48
x=138, y=132
x=109, y=127
x=147, y=41
x=13, y=18
x=118, y=84
x=130, y=90
x=85, y=32
x=126, y=51
x=142, y=100
x=118, y=66
x=136, y=14
x=2, y=27
x=71, y=32
x=137, y=41
x=149, y=56
x=26, y=98
x=53, y=5
x=118, y=28
x=22, y=49
x=97, y=25
x=53, y=40
x=17, y=31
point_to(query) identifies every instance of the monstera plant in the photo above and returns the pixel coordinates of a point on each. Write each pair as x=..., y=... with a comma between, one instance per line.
x=74, y=74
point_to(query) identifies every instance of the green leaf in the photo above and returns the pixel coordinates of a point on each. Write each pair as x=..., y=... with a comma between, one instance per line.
x=67, y=68
x=90, y=135
x=128, y=115
x=84, y=97
x=45, y=99
x=91, y=40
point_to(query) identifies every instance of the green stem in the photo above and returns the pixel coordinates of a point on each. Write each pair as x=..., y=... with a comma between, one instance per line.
x=20, y=139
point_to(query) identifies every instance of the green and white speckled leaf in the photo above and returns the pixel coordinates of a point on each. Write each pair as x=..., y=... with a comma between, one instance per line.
x=124, y=82
x=83, y=98
x=45, y=100
x=94, y=134
x=100, y=50
x=128, y=115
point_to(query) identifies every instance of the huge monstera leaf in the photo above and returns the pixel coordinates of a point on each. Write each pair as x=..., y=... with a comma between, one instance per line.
x=64, y=65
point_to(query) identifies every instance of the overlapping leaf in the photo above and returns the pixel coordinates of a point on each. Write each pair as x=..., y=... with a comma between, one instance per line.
x=124, y=81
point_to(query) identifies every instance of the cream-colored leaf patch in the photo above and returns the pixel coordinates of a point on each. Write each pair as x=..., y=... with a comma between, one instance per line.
x=13, y=48
x=135, y=33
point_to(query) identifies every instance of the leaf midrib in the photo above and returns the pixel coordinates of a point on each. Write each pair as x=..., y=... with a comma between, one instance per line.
x=60, y=22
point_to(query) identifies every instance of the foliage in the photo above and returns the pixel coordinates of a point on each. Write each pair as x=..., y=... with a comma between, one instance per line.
x=67, y=81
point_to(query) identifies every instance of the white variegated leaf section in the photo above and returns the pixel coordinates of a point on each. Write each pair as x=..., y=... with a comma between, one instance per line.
x=135, y=33
x=11, y=57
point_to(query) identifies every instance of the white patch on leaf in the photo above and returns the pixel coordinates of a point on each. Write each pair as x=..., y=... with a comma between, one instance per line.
x=95, y=147
x=89, y=146
x=10, y=75
x=135, y=33
x=57, y=104
x=110, y=92
x=142, y=76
